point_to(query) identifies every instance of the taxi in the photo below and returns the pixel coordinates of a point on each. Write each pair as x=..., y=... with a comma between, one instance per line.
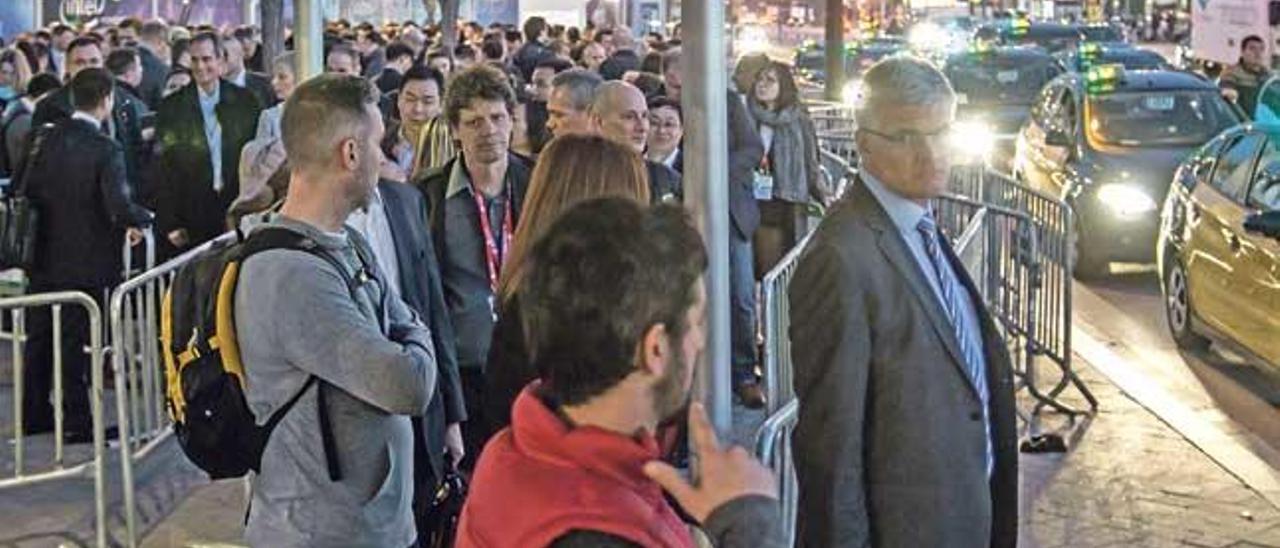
x=1218, y=253
x=810, y=59
x=1053, y=37
x=995, y=88
x=1108, y=142
x=1090, y=54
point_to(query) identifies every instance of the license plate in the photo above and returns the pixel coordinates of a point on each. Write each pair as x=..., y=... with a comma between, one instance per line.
x=1158, y=102
x=1007, y=76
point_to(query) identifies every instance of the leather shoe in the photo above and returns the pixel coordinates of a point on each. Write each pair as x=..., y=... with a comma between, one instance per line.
x=750, y=395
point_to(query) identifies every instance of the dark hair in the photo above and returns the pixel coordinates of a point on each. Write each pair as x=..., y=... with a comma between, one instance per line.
x=651, y=85
x=210, y=37
x=130, y=23
x=397, y=50
x=788, y=93
x=83, y=42
x=120, y=59
x=244, y=32
x=556, y=64
x=555, y=32
x=666, y=102
x=59, y=28
x=422, y=72
x=318, y=110
x=478, y=82
x=600, y=34
x=41, y=84
x=583, y=334
x=512, y=36
x=180, y=46
x=1251, y=38
x=463, y=51
x=33, y=51
x=493, y=48
x=573, y=35
x=534, y=27
x=652, y=62
x=90, y=87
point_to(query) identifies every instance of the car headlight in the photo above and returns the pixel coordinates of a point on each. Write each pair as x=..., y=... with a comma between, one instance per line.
x=1125, y=200
x=927, y=36
x=851, y=93
x=972, y=138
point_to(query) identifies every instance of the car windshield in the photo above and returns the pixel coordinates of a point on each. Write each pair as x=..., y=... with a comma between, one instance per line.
x=1053, y=39
x=1133, y=60
x=1101, y=34
x=1159, y=118
x=1014, y=80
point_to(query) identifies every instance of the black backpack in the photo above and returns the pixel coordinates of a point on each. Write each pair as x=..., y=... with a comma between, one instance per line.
x=205, y=376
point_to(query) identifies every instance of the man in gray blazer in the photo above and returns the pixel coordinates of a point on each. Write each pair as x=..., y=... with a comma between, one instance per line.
x=906, y=433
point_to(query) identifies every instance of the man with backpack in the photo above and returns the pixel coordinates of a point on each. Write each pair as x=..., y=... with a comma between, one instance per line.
x=322, y=335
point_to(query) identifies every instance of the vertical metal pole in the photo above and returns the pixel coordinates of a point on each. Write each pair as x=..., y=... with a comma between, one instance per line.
x=707, y=184
x=249, y=11
x=58, y=396
x=308, y=37
x=155, y=9
x=19, y=342
x=37, y=14
x=834, y=49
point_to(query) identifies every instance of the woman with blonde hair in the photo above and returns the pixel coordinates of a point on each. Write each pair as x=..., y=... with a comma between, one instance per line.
x=571, y=169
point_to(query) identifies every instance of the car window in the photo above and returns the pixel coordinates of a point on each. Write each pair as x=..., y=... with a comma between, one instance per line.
x=1264, y=193
x=1065, y=114
x=1046, y=105
x=1234, y=166
x=1268, y=109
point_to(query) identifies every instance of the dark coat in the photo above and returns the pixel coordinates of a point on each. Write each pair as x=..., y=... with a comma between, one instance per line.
x=890, y=445
x=436, y=181
x=745, y=152
x=508, y=369
x=126, y=116
x=76, y=180
x=422, y=289
x=154, y=72
x=260, y=86
x=186, y=199
x=664, y=183
x=528, y=56
x=389, y=80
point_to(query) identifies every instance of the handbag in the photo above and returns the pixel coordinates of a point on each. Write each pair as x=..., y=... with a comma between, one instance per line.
x=19, y=218
x=441, y=519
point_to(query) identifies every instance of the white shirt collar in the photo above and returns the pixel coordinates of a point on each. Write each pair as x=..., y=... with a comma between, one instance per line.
x=86, y=117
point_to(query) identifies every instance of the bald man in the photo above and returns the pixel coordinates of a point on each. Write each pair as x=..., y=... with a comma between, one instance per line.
x=619, y=112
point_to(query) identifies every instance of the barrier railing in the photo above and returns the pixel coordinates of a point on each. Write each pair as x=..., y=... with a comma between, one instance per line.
x=773, y=448
x=18, y=307
x=140, y=385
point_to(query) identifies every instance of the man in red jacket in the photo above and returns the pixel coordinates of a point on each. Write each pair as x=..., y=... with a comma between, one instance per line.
x=613, y=309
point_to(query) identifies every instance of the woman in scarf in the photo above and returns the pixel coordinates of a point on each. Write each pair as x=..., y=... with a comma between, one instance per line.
x=788, y=178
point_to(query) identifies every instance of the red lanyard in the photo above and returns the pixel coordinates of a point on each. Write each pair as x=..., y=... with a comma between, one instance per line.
x=494, y=259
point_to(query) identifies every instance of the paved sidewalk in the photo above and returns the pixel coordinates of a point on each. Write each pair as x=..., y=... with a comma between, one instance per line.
x=1130, y=481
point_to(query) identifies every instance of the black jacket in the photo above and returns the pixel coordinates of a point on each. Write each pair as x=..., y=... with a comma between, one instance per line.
x=664, y=183
x=745, y=152
x=154, y=72
x=389, y=80
x=528, y=56
x=436, y=181
x=186, y=199
x=76, y=180
x=260, y=86
x=422, y=289
x=126, y=116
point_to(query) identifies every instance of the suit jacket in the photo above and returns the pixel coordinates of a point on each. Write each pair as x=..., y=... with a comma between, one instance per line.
x=745, y=152
x=890, y=446
x=186, y=199
x=260, y=86
x=664, y=182
x=389, y=80
x=76, y=180
x=126, y=117
x=154, y=72
x=422, y=289
x=436, y=181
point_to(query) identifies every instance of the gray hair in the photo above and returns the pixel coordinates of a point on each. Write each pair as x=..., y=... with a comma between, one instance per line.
x=581, y=85
x=606, y=92
x=901, y=81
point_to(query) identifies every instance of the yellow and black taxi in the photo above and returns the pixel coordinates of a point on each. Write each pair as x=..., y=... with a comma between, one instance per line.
x=810, y=58
x=1107, y=142
x=1091, y=54
x=995, y=88
x=1218, y=252
x=1052, y=36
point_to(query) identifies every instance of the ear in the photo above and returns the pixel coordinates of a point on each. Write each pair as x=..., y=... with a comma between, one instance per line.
x=349, y=154
x=654, y=351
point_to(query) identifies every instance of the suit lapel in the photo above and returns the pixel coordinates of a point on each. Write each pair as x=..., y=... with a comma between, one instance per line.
x=401, y=238
x=895, y=249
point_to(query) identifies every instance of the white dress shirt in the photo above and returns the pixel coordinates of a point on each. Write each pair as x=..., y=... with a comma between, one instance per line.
x=372, y=223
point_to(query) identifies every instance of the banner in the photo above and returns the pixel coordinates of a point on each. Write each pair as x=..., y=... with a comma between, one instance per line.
x=15, y=17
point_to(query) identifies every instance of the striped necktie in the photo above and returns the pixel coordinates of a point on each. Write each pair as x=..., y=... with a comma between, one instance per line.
x=952, y=293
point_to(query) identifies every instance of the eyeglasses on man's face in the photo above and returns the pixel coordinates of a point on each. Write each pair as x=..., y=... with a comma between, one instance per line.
x=914, y=139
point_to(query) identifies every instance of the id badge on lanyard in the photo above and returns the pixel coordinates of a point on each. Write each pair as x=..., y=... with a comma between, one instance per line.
x=494, y=257
x=762, y=182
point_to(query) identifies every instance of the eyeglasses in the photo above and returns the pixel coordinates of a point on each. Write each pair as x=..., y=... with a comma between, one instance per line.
x=914, y=139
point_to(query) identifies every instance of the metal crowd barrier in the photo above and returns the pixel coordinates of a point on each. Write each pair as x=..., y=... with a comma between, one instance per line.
x=773, y=448
x=17, y=307
x=139, y=369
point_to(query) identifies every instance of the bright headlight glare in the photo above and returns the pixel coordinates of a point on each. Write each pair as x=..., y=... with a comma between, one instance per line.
x=851, y=93
x=927, y=36
x=972, y=138
x=1125, y=200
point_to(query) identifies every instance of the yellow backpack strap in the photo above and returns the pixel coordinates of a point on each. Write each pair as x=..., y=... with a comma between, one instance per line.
x=173, y=384
x=224, y=336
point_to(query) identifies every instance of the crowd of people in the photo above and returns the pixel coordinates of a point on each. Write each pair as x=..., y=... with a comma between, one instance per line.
x=528, y=305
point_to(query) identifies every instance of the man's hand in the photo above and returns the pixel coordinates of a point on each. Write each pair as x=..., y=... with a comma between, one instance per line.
x=179, y=237
x=453, y=443
x=1231, y=94
x=134, y=235
x=726, y=474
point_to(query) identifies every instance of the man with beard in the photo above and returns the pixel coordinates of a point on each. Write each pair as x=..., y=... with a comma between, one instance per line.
x=474, y=205
x=338, y=469
x=580, y=459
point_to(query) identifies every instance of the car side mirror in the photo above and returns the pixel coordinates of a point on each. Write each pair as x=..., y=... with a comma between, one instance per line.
x=1057, y=138
x=1266, y=223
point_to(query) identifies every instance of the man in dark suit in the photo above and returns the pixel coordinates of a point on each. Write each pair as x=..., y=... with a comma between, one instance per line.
x=124, y=125
x=745, y=152
x=399, y=61
x=395, y=225
x=235, y=72
x=474, y=205
x=201, y=130
x=620, y=113
x=75, y=175
x=153, y=48
x=906, y=433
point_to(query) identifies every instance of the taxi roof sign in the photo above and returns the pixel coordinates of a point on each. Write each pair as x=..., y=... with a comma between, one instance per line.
x=1103, y=78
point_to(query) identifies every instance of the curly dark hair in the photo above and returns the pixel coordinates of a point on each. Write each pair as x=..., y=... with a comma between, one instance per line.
x=479, y=82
